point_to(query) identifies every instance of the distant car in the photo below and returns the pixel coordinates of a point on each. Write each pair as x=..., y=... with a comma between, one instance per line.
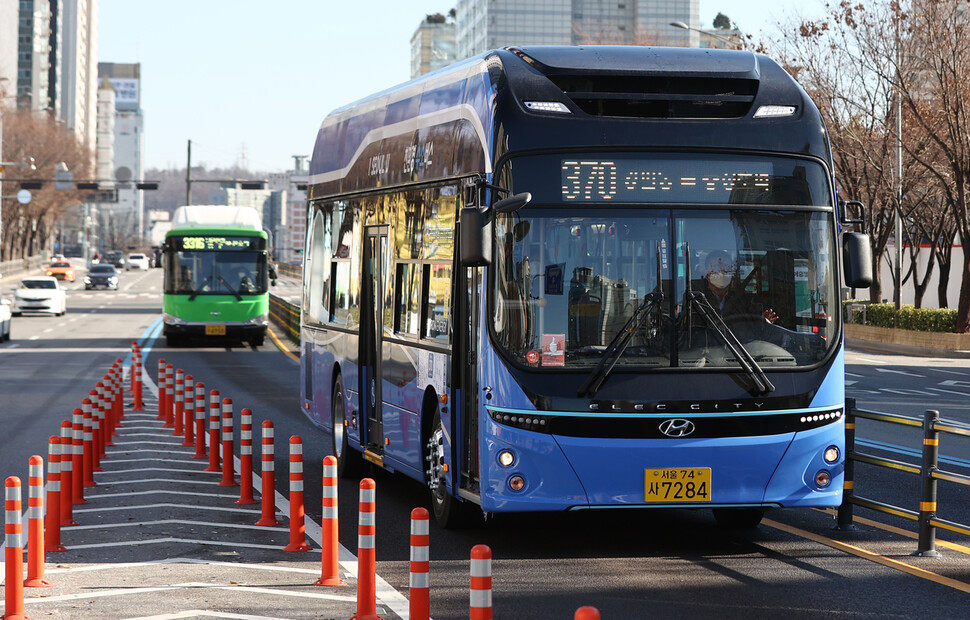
x=101, y=276
x=5, y=321
x=114, y=257
x=137, y=261
x=39, y=294
x=62, y=270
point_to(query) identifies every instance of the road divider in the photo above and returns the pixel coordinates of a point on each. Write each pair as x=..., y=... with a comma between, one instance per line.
x=330, y=547
x=268, y=477
x=13, y=535
x=297, y=511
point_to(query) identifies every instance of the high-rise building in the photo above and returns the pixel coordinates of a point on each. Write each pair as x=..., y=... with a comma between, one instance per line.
x=34, y=55
x=289, y=226
x=486, y=24
x=432, y=45
x=129, y=142
x=9, y=25
x=79, y=68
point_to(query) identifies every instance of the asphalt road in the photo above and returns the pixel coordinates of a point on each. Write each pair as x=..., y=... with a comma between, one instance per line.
x=658, y=564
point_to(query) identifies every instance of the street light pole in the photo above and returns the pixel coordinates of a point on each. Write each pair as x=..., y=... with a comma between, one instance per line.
x=734, y=43
x=898, y=293
x=188, y=177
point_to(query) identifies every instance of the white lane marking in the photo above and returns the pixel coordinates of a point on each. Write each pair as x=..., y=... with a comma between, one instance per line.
x=899, y=372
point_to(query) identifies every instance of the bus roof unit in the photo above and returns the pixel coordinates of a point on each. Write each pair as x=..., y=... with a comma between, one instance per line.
x=216, y=216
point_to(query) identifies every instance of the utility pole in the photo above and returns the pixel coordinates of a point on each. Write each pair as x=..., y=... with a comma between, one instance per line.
x=188, y=177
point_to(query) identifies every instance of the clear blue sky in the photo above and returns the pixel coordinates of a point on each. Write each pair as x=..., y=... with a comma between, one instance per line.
x=235, y=75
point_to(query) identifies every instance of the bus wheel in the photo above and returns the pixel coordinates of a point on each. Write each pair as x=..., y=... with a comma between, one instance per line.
x=448, y=510
x=348, y=460
x=738, y=518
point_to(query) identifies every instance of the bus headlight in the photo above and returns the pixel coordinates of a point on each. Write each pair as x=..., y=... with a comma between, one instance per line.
x=262, y=319
x=506, y=458
x=173, y=320
x=831, y=455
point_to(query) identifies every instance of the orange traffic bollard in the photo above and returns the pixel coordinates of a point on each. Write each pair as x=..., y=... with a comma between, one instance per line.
x=329, y=565
x=169, y=396
x=215, y=423
x=179, y=411
x=52, y=529
x=136, y=388
x=228, y=466
x=267, y=478
x=297, y=511
x=88, y=445
x=77, y=457
x=587, y=613
x=246, y=457
x=67, y=475
x=161, y=390
x=13, y=530
x=35, y=524
x=188, y=427
x=366, y=552
x=480, y=590
x=419, y=585
x=199, y=421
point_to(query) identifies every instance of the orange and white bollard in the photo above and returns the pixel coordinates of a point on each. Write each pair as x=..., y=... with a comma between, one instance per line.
x=179, y=411
x=246, y=457
x=188, y=426
x=587, y=612
x=199, y=421
x=52, y=524
x=419, y=585
x=35, y=524
x=480, y=590
x=67, y=475
x=135, y=352
x=297, y=509
x=268, y=477
x=161, y=389
x=169, y=396
x=136, y=387
x=215, y=424
x=119, y=393
x=98, y=424
x=13, y=537
x=228, y=466
x=366, y=552
x=88, y=445
x=77, y=457
x=329, y=565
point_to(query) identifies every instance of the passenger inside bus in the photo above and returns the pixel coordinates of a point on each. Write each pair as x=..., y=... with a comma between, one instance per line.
x=726, y=294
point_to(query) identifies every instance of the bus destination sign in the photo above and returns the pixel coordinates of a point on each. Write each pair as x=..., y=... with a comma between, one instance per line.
x=218, y=243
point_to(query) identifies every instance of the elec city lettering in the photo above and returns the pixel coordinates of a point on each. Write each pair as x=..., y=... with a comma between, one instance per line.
x=414, y=157
x=608, y=180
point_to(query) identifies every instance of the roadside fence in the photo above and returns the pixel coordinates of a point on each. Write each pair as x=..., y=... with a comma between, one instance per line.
x=928, y=470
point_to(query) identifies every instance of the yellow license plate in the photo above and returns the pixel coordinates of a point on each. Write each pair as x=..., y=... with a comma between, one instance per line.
x=215, y=330
x=677, y=485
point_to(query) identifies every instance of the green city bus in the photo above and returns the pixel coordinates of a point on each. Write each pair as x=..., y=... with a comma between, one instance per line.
x=217, y=274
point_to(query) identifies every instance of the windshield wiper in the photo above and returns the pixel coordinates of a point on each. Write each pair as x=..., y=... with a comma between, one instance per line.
x=696, y=299
x=614, y=351
x=231, y=290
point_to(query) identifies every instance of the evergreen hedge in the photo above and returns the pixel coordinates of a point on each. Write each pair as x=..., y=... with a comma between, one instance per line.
x=910, y=317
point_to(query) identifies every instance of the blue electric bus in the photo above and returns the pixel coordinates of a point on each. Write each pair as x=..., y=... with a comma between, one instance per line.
x=509, y=292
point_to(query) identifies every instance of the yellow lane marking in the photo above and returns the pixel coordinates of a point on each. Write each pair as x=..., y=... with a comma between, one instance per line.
x=282, y=347
x=906, y=533
x=873, y=557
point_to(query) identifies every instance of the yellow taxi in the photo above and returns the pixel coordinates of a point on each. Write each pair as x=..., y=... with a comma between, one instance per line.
x=62, y=270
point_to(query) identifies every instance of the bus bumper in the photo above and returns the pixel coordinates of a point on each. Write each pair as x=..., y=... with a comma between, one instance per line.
x=564, y=473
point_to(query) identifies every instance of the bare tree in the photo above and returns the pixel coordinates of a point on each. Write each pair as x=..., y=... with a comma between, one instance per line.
x=28, y=228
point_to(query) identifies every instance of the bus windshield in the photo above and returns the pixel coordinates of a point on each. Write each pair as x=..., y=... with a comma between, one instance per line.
x=570, y=282
x=215, y=272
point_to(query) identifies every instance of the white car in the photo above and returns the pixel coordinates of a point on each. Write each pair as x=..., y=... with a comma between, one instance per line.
x=5, y=319
x=39, y=294
x=137, y=261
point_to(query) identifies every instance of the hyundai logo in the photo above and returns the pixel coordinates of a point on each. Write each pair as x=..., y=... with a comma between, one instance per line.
x=215, y=313
x=677, y=428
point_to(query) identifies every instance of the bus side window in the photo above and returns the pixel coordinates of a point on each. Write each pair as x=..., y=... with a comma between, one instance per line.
x=438, y=302
x=407, y=305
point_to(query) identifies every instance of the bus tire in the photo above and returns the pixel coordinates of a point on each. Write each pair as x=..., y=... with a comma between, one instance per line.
x=448, y=510
x=738, y=518
x=348, y=460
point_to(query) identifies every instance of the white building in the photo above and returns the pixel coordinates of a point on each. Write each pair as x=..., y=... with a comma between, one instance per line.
x=489, y=24
x=79, y=68
x=129, y=142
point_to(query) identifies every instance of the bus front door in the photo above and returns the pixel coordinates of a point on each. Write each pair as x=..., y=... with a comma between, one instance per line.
x=374, y=279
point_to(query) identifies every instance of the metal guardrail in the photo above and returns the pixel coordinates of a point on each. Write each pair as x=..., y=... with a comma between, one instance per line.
x=289, y=271
x=286, y=316
x=23, y=265
x=857, y=307
x=929, y=472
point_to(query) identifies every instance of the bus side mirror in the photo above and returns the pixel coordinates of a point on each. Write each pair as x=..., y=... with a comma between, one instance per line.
x=475, y=228
x=856, y=260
